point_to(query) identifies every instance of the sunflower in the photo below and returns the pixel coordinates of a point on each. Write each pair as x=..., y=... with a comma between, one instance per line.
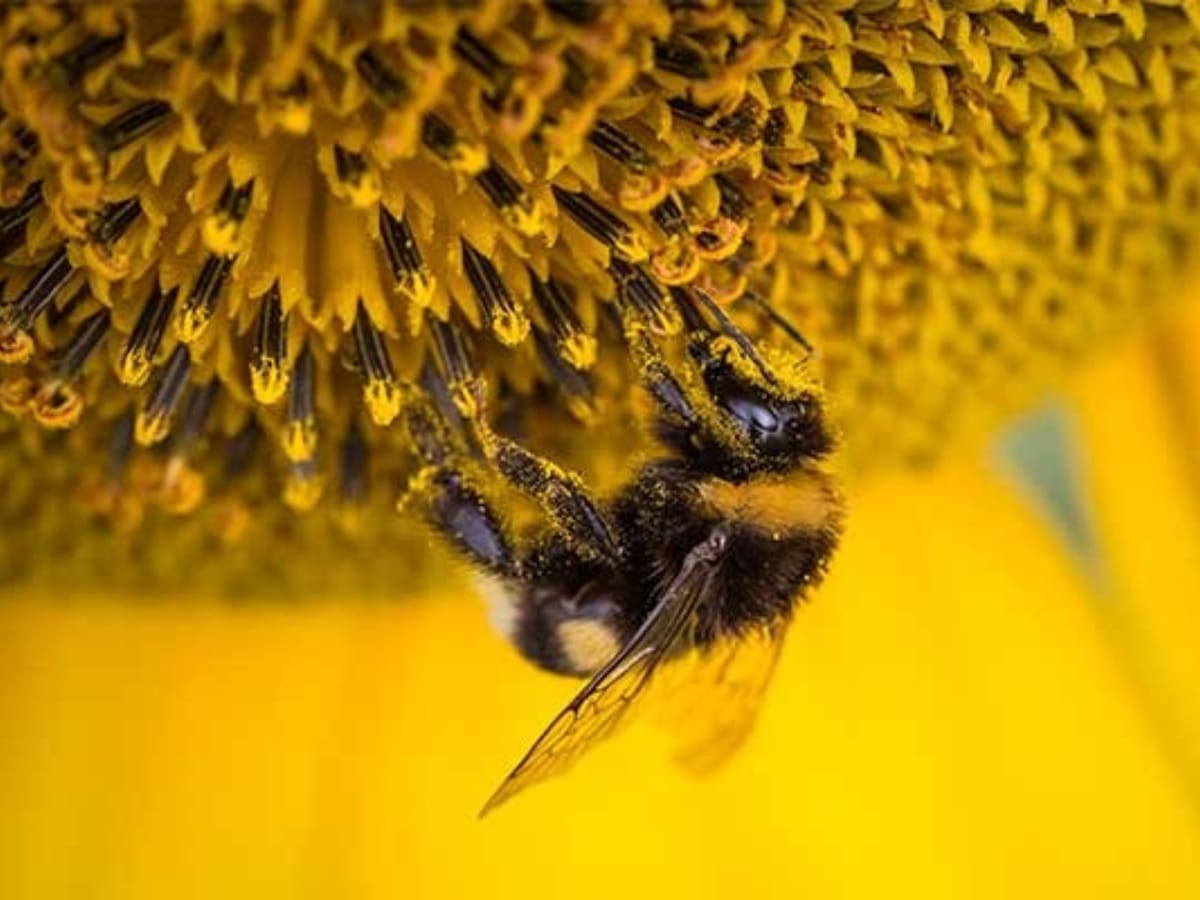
x=231, y=232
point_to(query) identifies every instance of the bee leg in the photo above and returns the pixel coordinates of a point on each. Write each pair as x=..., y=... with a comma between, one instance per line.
x=687, y=420
x=561, y=495
x=678, y=413
x=446, y=492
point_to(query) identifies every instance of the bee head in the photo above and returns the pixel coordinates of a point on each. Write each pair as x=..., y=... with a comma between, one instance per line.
x=784, y=426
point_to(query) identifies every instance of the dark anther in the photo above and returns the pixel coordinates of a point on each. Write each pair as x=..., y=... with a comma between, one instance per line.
x=638, y=290
x=438, y=135
x=618, y=145
x=60, y=312
x=195, y=413
x=734, y=203
x=154, y=419
x=372, y=352
x=479, y=56
x=37, y=293
x=234, y=202
x=451, y=353
x=690, y=112
x=353, y=466
x=300, y=424
x=669, y=216
x=114, y=220
x=681, y=60
x=387, y=86
x=556, y=307
x=202, y=299
x=501, y=188
x=404, y=256
x=350, y=166
x=83, y=342
x=578, y=12
x=130, y=125
x=594, y=218
x=495, y=302
x=94, y=50
x=13, y=219
x=239, y=449
x=144, y=341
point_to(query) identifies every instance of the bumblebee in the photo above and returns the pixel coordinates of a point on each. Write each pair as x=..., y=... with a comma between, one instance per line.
x=685, y=579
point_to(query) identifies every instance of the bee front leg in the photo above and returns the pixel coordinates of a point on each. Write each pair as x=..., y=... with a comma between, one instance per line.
x=446, y=491
x=688, y=421
x=562, y=495
x=678, y=413
x=450, y=502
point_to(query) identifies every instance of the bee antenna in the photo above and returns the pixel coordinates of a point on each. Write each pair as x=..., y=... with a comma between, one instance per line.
x=778, y=320
x=726, y=327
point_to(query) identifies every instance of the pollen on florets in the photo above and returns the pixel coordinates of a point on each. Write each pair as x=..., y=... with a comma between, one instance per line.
x=267, y=209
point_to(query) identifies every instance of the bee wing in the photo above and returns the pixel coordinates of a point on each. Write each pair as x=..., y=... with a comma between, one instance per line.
x=607, y=698
x=713, y=694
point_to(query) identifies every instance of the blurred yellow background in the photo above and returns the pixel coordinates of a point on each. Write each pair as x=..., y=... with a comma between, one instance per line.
x=963, y=711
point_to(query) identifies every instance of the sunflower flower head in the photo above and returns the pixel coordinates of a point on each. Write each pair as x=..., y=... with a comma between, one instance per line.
x=228, y=229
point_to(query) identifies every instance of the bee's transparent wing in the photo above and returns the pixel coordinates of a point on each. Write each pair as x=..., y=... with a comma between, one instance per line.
x=607, y=698
x=711, y=696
